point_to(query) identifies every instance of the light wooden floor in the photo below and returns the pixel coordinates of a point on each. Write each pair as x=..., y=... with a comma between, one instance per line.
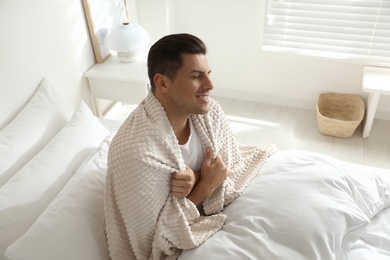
x=293, y=128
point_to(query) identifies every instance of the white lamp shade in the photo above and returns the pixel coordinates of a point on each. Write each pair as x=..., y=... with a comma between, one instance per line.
x=127, y=37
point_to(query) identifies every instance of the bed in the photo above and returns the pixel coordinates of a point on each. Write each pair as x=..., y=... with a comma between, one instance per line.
x=302, y=205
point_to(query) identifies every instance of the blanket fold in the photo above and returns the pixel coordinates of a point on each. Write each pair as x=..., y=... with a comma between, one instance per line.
x=143, y=220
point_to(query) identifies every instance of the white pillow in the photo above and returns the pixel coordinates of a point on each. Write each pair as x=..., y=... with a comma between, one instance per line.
x=25, y=196
x=42, y=117
x=72, y=227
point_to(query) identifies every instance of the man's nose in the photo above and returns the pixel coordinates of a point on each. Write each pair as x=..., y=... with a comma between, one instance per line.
x=209, y=84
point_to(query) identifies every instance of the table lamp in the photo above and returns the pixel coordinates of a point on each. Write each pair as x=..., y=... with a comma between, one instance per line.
x=127, y=39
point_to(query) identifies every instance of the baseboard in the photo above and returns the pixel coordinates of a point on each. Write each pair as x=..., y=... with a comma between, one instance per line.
x=279, y=100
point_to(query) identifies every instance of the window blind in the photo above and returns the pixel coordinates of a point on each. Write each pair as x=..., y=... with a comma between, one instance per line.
x=346, y=29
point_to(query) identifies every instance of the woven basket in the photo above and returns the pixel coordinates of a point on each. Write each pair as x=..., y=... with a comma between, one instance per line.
x=339, y=114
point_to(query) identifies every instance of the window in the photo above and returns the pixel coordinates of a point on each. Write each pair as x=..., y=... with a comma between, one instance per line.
x=345, y=29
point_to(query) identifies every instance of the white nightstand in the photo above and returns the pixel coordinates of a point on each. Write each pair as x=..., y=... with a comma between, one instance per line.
x=376, y=81
x=118, y=81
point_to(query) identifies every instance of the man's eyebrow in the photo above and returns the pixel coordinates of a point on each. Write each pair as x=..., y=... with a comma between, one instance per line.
x=199, y=71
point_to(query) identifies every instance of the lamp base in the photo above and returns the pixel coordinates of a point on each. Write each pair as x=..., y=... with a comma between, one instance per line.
x=129, y=56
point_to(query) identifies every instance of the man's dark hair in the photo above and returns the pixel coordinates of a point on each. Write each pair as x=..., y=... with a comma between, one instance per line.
x=165, y=56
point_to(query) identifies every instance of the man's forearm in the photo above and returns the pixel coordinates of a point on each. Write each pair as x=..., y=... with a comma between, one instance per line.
x=200, y=193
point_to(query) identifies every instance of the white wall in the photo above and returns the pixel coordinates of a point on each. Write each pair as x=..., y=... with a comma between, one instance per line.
x=42, y=38
x=232, y=30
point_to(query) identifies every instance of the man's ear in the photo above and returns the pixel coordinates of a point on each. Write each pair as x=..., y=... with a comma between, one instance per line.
x=160, y=82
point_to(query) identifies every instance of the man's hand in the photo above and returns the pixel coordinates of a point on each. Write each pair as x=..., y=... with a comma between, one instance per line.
x=212, y=176
x=213, y=173
x=183, y=182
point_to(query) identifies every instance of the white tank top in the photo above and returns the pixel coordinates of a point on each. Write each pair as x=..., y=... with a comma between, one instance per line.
x=192, y=151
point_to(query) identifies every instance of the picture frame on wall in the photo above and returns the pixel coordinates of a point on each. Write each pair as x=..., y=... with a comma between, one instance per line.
x=101, y=16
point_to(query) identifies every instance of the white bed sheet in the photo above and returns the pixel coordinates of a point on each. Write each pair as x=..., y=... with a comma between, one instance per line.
x=305, y=205
x=302, y=205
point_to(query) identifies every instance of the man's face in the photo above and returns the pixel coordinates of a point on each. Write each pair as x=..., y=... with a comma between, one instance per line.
x=189, y=92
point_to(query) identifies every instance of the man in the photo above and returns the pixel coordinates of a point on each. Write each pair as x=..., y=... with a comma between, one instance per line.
x=183, y=89
x=174, y=159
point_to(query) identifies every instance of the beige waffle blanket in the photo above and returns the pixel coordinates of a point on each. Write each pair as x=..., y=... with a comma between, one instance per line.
x=143, y=220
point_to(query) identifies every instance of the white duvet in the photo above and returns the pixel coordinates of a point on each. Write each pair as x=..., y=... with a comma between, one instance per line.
x=305, y=205
x=302, y=205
